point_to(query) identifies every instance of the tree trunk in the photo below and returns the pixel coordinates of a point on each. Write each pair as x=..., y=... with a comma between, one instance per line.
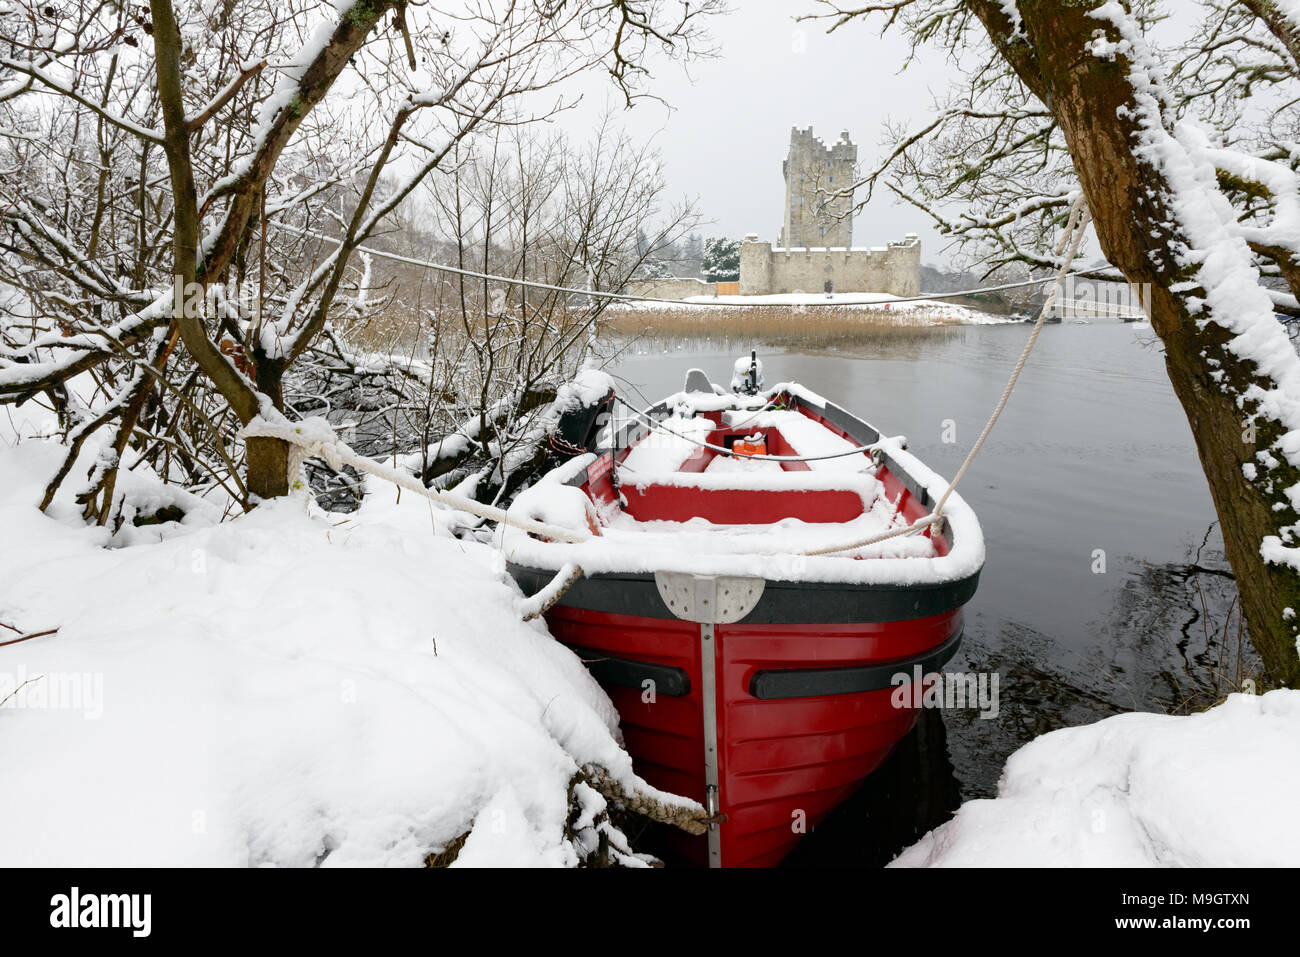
x=1096, y=105
x=267, y=459
x=268, y=467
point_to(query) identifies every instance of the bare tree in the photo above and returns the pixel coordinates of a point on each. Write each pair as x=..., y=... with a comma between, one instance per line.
x=178, y=149
x=1190, y=197
x=540, y=211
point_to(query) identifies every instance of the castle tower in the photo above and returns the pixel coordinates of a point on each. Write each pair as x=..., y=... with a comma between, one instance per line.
x=814, y=172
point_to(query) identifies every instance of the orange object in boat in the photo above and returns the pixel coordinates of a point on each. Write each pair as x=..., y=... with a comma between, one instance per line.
x=755, y=444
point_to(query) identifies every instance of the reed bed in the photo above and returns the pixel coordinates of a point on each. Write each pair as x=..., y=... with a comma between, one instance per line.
x=804, y=327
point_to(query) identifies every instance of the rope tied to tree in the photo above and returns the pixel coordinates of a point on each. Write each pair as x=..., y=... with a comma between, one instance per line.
x=316, y=437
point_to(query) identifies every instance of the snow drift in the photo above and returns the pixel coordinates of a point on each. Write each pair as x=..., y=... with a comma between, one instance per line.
x=287, y=688
x=1215, y=789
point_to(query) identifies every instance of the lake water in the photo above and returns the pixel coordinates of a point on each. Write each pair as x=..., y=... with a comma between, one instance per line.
x=1092, y=462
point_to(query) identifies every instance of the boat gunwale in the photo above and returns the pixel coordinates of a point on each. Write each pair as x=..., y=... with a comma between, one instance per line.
x=783, y=602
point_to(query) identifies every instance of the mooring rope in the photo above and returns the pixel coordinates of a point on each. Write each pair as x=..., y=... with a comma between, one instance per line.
x=1075, y=229
x=337, y=453
x=1074, y=232
x=539, y=603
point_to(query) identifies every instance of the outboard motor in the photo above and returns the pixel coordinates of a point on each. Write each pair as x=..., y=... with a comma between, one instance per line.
x=747, y=375
x=580, y=424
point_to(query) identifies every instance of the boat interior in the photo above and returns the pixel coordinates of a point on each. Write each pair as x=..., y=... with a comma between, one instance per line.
x=702, y=470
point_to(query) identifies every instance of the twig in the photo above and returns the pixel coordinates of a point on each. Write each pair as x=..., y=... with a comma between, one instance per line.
x=35, y=634
x=19, y=688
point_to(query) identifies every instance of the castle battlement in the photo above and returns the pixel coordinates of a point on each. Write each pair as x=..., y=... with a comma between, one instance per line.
x=807, y=140
x=835, y=249
x=814, y=252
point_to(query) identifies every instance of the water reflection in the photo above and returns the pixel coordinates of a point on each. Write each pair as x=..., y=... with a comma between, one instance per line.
x=1169, y=644
x=907, y=343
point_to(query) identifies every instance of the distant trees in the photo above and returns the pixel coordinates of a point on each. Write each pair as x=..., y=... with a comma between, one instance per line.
x=536, y=208
x=680, y=256
x=654, y=269
x=721, y=261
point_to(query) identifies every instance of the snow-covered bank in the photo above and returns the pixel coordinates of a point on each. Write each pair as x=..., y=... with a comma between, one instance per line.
x=283, y=689
x=868, y=303
x=1140, y=790
x=808, y=299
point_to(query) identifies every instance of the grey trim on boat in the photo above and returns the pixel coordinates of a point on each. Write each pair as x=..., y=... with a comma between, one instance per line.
x=611, y=669
x=770, y=684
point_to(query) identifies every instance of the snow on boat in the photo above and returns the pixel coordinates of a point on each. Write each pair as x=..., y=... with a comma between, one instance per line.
x=749, y=674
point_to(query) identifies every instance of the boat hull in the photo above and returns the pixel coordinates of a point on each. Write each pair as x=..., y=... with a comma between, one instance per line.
x=804, y=710
x=768, y=699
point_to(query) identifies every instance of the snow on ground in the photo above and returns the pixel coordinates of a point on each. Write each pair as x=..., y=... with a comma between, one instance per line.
x=1215, y=789
x=286, y=688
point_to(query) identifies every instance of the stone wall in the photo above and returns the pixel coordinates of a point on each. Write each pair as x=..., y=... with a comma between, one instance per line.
x=893, y=269
x=670, y=288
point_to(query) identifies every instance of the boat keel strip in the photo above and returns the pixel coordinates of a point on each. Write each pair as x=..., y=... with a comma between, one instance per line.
x=710, y=600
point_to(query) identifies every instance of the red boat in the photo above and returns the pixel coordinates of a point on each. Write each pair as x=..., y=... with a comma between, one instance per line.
x=758, y=678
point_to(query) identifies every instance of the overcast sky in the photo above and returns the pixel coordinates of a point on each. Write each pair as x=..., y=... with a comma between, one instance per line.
x=729, y=124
